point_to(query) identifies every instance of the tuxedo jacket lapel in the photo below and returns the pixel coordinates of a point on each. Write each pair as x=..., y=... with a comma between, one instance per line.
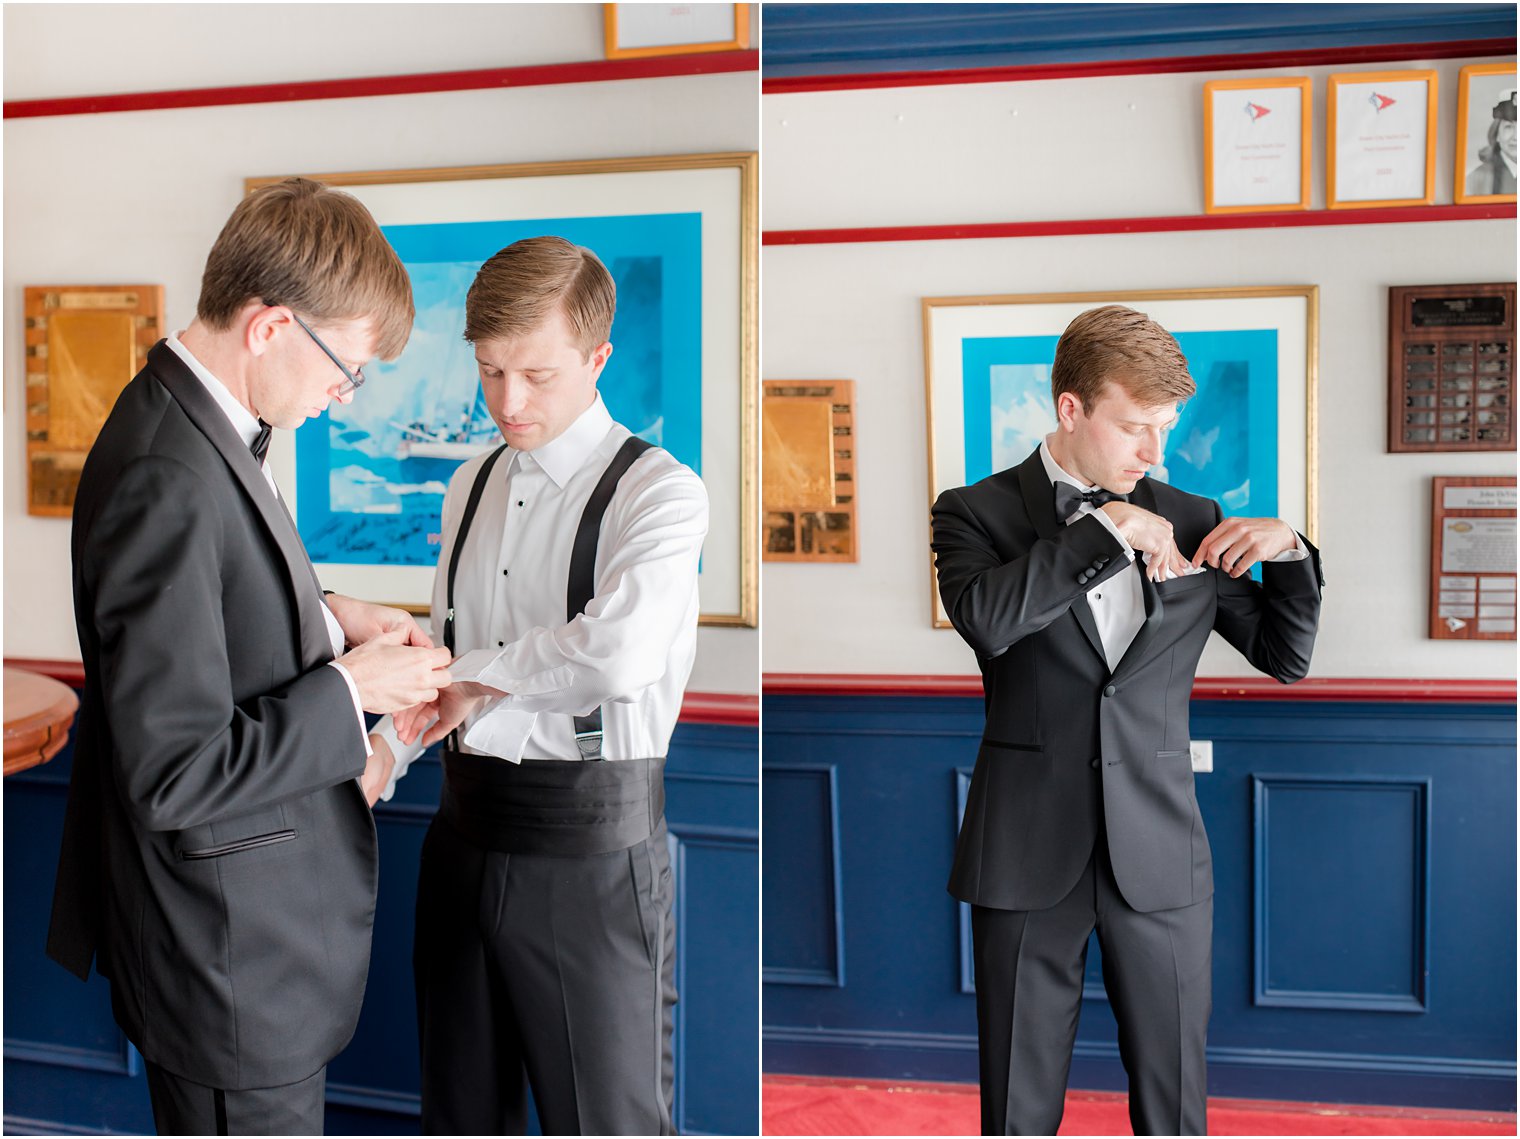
x=1039, y=501
x=201, y=409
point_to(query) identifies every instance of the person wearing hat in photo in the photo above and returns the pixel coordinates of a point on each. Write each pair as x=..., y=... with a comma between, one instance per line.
x=1495, y=171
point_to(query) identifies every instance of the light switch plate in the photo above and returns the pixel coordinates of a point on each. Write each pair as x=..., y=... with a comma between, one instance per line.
x=1202, y=752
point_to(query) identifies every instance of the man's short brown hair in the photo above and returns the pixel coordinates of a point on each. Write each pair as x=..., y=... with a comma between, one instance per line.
x=523, y=285
x=1119, y=345
x=315, y=249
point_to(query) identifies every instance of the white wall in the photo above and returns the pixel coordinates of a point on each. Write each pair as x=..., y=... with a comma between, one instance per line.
x=958, y=154
x=140, y=196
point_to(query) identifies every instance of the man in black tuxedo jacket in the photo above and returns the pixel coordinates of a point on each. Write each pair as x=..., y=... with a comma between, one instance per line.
x=218, y=858
x=1088, y=623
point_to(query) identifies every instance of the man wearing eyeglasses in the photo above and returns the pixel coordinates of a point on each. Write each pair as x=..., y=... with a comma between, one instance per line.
x=219, y=859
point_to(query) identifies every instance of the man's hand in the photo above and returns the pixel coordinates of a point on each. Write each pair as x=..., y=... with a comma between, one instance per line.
x=361, y=621
x=1151, y=534
x=377, y=769
x=452, y=707
x=391, y=675
x=1237, y=544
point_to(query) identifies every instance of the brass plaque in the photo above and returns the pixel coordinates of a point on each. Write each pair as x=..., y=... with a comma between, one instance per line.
x=83, y=345
x=809, y=471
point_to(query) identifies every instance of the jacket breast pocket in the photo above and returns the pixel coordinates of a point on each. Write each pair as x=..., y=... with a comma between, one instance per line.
x=1185, y=584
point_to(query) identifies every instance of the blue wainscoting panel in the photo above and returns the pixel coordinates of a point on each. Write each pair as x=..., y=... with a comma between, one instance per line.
x=1364, y=923
x=69, y=1070
x=1342, y=887
x=806, y=945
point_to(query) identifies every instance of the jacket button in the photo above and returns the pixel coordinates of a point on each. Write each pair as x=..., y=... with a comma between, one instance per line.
x=1110, y=690
x=1097, y=565
x=1083, y=577
x=1095, y=765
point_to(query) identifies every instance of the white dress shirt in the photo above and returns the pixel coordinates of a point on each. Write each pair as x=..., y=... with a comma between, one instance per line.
x=1118, y=603
x=630, y=652
x=247, y=427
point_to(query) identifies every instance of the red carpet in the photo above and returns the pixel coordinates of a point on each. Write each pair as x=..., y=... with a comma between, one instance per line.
x=806, y=1105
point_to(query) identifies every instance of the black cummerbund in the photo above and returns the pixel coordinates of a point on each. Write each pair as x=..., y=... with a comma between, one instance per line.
x=552, y=806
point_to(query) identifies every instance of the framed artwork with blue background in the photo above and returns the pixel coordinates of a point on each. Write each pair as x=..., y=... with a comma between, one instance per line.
x=365, y=481
x=1246, y=439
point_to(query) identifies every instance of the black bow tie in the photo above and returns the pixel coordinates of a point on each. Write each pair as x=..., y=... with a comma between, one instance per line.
x=260, y=444
x=1069, y=499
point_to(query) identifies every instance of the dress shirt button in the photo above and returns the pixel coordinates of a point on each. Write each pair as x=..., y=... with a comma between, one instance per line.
x=1110, y=690
x=503, y=573
x=501, y=644
x=519, y=502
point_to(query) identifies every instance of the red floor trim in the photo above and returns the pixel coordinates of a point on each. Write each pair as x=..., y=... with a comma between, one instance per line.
x=1478, y=690
x=698, y=707
x=986, y=230
x=1246, y=61
x=796, y=1105
x=593, y=71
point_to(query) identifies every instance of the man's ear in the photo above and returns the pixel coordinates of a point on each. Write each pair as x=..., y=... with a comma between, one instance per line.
x=1068, y=408
x=261, y=325
x=599, y=357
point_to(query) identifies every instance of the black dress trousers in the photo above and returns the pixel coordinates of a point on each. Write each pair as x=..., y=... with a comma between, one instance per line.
x=550, y=972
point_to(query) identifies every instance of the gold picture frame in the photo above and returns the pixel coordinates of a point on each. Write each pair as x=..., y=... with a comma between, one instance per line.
x=714, y=197
x=981, y=351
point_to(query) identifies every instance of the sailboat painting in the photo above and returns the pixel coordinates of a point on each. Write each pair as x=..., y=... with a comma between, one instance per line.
x=371, y=475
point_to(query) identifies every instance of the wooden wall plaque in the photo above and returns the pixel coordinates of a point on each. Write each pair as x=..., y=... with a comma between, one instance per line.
x=1451, y=368
x=83, y=344
x=808, y=471
x=1472, y=559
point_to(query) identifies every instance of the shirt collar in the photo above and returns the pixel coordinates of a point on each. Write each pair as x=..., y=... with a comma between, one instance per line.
x=242, y=420
x=1055, y=472
x=560, y=458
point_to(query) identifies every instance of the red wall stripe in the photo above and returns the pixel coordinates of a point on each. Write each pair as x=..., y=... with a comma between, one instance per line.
x=698, y=707
x=1247, y=61
x=1363, y=689
x=984, y=230
x=594, y=71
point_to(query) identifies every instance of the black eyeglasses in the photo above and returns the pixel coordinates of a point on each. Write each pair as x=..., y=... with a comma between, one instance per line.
x=352, y=381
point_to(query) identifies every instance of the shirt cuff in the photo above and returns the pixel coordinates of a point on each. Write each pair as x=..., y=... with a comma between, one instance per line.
x=404, y=753
x=502, y=732
x=1297, y=554
x=353, y=692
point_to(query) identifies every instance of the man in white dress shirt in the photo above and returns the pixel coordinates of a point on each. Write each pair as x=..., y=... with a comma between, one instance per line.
x=545, y=941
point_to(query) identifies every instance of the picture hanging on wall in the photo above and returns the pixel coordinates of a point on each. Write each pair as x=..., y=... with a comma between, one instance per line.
x=635, y=31
x=1256, y=135
x=1485, y=165
x=365, y=482
x=808, y=467
x=1382, y=139
x=1246, y=439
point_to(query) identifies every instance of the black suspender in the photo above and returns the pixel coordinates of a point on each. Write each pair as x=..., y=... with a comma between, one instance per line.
x=582, y=583
x=588, y=729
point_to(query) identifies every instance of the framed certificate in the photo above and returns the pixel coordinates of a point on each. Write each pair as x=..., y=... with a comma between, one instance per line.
x=1382, y=131
x=1472, y=559
x=1485, y=166
x=637, y=30
x=1256, y=144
